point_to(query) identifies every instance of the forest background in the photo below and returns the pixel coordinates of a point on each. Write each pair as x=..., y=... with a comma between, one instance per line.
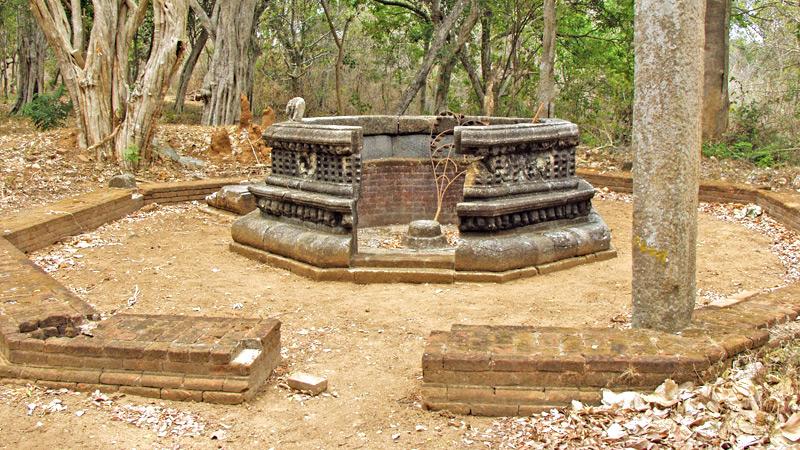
x=492, y=57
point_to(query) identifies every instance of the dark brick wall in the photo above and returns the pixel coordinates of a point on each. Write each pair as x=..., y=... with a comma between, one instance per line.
x=397, y=191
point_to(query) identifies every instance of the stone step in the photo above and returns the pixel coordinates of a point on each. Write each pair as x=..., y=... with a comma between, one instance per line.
x=400, y=259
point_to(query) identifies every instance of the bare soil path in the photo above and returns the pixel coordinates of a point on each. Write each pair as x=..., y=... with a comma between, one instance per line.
x=368, y=340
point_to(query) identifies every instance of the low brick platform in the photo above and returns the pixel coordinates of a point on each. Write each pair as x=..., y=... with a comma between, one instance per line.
x=36, y=228
x=783, y=207
x=511, y=370
x=51, y=337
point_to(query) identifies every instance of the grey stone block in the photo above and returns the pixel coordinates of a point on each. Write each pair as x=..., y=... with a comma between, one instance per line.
x=376, y=147
x=411, y=146
x=234, y=198
x=372, y=125
x=416, y=124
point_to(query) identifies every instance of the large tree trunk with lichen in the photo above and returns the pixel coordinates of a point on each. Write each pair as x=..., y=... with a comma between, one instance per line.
x=715, y=84
x=547, y=84
x=31, y=49
x=115, y=120
x=230, y=73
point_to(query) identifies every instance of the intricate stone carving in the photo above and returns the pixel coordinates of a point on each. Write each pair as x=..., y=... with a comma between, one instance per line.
x=519, y=166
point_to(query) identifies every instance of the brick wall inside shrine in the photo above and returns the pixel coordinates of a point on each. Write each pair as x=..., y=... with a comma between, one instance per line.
x=399, y=190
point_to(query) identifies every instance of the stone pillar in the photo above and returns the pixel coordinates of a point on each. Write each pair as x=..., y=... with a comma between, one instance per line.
x=668, y=45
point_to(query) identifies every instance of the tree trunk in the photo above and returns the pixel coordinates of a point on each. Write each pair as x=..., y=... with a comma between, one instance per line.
x=230, y=73
x=146, y=98
x=31, y=48
x=114, y=119
x=715, y=86
x=547, y=84
x=443, y=84
x=437, y=44
x=188, y=69
x=423, y=90
x=339, y=41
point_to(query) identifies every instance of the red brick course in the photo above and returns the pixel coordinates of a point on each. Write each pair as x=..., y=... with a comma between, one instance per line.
x=161, y=356
x=397, y=191
x=501, y=370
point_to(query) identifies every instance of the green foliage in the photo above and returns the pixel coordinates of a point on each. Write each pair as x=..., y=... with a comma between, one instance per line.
x=752, y=138
x=48, y=110
x=131, y=154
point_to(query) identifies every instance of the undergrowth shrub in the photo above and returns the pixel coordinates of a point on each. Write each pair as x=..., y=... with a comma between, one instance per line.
x=753, y=137
x=48, y=110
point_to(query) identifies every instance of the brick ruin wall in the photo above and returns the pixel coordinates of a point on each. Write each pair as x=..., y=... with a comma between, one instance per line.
x=399, y=190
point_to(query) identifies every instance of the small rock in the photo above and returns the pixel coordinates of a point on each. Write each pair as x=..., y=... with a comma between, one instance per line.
x=191, y=162
x=234, y=198
x=169, y=153
x=307, y=383
x=124, y=181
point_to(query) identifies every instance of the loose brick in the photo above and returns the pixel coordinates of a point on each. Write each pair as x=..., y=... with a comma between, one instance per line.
x=307, y=383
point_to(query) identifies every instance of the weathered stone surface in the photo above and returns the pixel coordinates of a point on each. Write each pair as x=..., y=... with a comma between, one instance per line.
x=425, y=234
x=125, y=181
x=666, y=142
x=235, y=198
x=315, y=246
x=531, y=246
x=377, y=147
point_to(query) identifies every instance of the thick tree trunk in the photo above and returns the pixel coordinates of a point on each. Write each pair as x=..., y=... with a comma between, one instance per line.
x=715, y=86
x=547, y=84
x=230, y=73
x=188, y=69
x=31, y=48
x=115, y=120
x=146, y=98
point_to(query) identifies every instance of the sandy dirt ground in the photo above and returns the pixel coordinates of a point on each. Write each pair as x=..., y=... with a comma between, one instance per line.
x=367, y=340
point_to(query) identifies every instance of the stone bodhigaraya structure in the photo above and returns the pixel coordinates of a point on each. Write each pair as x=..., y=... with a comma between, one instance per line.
x=523, y=207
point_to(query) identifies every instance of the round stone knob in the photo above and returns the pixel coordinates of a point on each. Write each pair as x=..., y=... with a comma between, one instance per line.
x=425, y=234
